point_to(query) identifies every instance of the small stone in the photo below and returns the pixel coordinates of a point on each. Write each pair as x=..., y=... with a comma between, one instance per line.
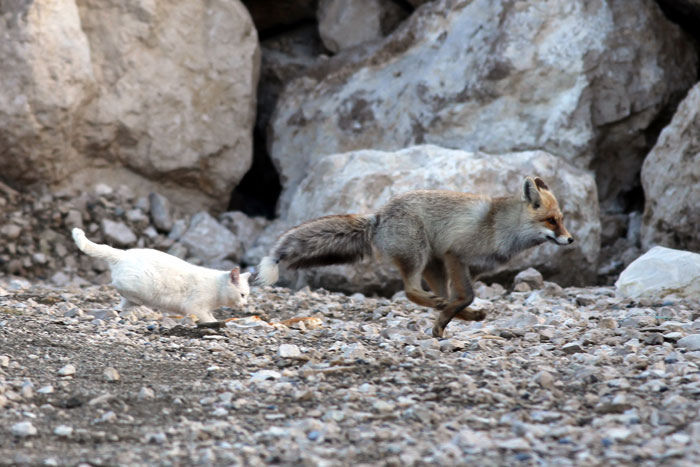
x=102, y=189
x=264, y=375
x=522, y=287
x=23, y=429
x=585, y=299
x=160, y=212
x=673, y=336
x=74, y=219
x=654, y=338
x=545, y=379
x=68, y=370
x=383, y=406
x=111, y=374
x=107, y=417
x=40, y=258
x=117, y=233
x=531, y=277
x=178, y=230
x=11, y=231
x=4, y=361
x=63, y=431
x=48, y=389
x=691, y=342
x=289, y=351
x=572, y=348
x=354, y=351
x=146, y=393
x=607, y=323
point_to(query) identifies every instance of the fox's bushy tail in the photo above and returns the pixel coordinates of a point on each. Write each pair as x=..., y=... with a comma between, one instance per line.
x=320, y=242
x=105, y=252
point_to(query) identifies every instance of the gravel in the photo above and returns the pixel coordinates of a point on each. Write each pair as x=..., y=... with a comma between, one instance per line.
x=543, y=380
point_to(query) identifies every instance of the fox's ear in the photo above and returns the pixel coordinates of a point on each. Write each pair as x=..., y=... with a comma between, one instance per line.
x=540, y=184
x=235, y=275
x=531, y=194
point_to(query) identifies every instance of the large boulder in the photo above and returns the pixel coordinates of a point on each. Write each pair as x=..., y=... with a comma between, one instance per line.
x=574, y=78
x=363, y=181
x=45, y=79
x=661, y=272
x=344, y=24
x=159, y=96
x=671, y=180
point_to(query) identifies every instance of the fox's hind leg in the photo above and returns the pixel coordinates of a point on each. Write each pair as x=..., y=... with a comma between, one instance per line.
x=461, y=296
x=436, y=277
x=411, y=269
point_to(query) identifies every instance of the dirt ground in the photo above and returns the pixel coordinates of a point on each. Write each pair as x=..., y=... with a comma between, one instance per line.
x=553, y=377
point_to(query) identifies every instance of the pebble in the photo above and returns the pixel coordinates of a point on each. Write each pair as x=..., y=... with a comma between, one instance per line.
x=530, y=276
x=691, y=342
x=572, y=348
x=63, y=430
x=146, y=393
x=118, y=233
x=264, y=375
x=160, y=212
x=23, y=429
x=289, y=351
x=67, y=370
x=111, y=374
x=567, y=386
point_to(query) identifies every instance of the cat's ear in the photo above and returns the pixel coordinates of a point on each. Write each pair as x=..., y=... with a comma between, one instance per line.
x=235, y=275
x=245, y=277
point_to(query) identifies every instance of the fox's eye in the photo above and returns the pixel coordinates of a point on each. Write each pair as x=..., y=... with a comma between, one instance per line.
x=551, y=220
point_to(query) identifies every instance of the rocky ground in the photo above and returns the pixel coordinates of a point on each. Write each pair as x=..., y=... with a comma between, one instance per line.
x=552, y=376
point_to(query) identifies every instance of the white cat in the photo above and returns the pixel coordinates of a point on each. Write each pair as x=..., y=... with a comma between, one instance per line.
x=155, y=279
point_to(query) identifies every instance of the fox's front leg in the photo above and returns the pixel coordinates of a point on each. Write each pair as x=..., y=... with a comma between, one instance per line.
x=462, y=295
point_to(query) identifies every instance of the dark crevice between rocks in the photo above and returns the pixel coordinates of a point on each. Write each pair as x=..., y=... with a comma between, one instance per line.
x=685, y=13
x=258, y=191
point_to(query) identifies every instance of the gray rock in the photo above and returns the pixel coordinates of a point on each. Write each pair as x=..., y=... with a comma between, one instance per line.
x=531, y=277
x=691, y=342
x=23, y=429
x=289, y=351
x=572, y=348
x=584, y=102
x=343, y=24
x=146, y=393
x=264, y=375
x=178, y=229
x=67, y=370
x=111, y=375
x=160, y=212
x=64, y=431
x=210, y=241
x=661, y=272
x=670, y=177
x=118, y=234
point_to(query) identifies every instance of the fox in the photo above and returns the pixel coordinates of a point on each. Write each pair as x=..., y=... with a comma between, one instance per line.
x=144, y=276
x=443, y=237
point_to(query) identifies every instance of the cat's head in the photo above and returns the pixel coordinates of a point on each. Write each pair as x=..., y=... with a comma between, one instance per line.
x=237, y=289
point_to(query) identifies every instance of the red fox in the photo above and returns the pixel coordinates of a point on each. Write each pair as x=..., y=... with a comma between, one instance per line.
x=444, y=237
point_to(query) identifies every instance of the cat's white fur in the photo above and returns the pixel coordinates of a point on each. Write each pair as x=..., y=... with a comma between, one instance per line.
x=156, y=279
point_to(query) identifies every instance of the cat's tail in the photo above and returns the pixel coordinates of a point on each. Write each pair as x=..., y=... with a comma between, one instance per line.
x=105, y=252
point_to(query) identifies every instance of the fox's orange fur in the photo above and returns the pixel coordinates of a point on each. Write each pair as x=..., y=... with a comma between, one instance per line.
x=444, y=237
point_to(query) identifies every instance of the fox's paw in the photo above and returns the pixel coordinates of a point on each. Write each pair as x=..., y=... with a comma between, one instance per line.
x=471, y=315
x=438, y=331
